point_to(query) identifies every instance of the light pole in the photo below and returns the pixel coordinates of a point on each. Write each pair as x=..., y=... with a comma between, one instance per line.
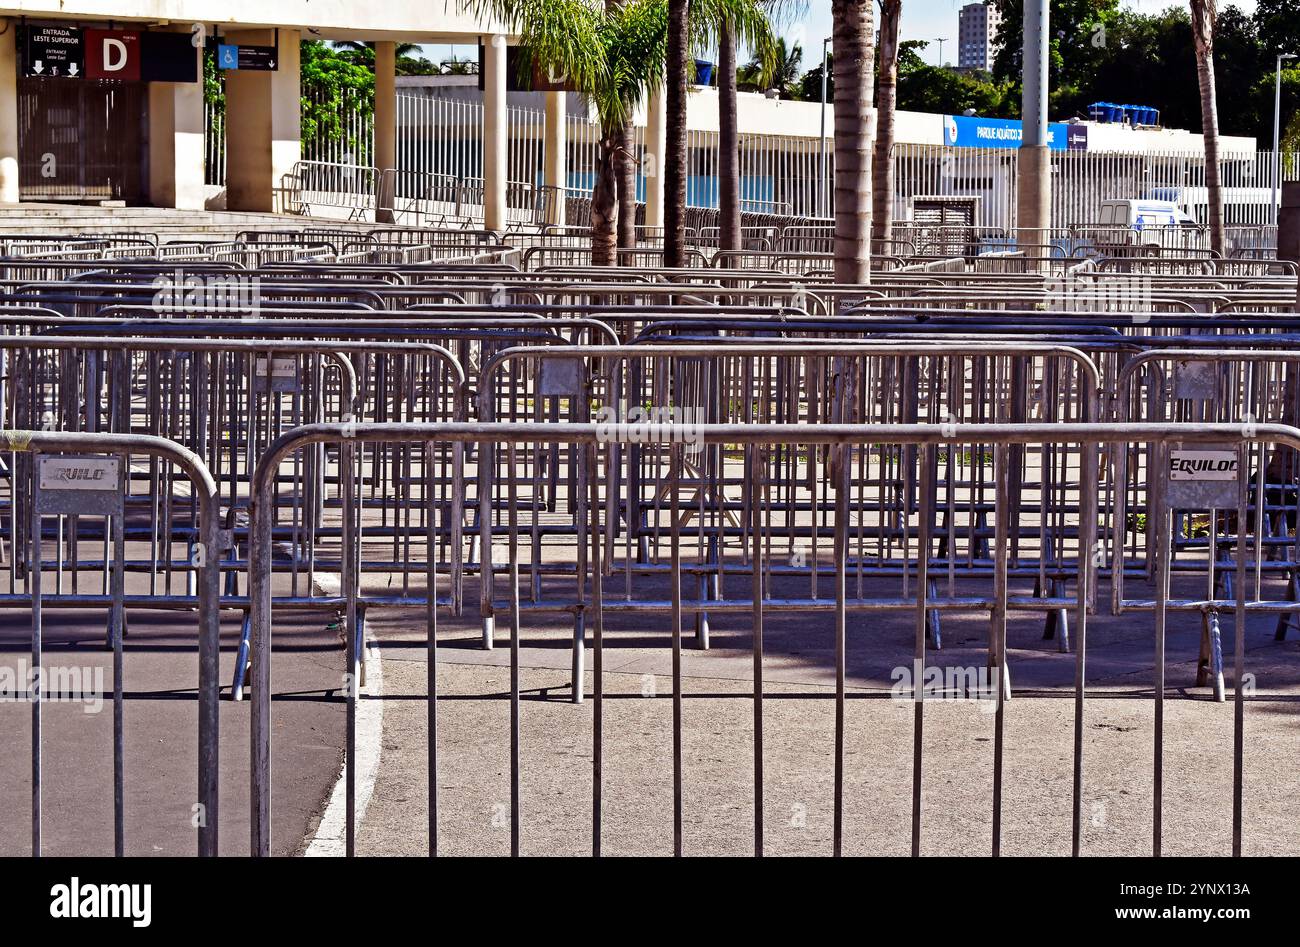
x=1277, y=123
x=941, y=40
x=821, y=176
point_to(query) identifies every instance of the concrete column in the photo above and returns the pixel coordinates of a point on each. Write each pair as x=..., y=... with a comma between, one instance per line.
x=9, y=114
x=176, y=142
x=495, y=141
x=557, y=157
x=386, y=126
x=1034, y=196
x=263, y=124
x=656, y=147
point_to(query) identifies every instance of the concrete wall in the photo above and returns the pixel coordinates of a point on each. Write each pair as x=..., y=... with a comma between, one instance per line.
x=430, y=21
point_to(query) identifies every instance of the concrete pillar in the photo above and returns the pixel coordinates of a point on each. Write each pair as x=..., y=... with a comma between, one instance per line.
x=176, y=142
x=557, y=157
x=495, y=141
x=656, y=147
x=1288, y=223
x=386, y=126
x=263, y=124
x=1034, y=193
x=9, y=114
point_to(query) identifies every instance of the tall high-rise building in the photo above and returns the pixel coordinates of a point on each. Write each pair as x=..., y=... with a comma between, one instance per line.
x=977, y=27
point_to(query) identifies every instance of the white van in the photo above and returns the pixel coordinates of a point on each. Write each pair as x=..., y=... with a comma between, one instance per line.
x=1140, y=214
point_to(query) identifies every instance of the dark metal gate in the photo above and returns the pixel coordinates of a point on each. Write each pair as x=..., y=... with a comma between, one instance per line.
x=81, y=140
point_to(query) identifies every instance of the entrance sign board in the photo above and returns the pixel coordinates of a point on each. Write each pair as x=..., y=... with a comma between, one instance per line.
x=53, y=52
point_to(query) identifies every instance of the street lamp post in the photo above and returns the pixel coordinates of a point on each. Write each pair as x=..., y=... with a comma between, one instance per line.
x=941, y=40
x=821, y=176
x=1277, y=123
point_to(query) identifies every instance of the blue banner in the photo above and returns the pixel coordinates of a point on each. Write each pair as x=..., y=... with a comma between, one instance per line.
x=967, y=131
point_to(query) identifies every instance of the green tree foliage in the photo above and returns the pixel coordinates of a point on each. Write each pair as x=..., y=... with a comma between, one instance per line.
x=335, y=82
x=926, y=88
x=1101, y=53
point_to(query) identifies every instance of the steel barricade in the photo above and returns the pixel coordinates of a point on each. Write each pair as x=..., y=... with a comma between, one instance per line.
x=813, y=383
x=79, y=478
x=1243, y=388
x=756, y=450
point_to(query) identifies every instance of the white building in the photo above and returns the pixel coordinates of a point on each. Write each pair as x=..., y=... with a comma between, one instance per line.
x=977, y=28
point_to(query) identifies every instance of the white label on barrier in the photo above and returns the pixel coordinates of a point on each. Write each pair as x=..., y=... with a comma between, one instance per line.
x=79, y=473
x=281, y=366
x=1202, y=465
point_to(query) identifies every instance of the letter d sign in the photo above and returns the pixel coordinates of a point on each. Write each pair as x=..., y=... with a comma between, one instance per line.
x=112, y=54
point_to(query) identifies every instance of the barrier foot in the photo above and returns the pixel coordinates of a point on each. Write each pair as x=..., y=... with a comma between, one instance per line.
x=932, y=622
x=241, y=659
x=1209, y=669
x=489, y=631
x=360, y=635
x=579, y=669
x=1287, y=620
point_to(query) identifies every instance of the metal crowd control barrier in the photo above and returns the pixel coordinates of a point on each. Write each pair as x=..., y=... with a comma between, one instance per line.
x=80, y=478
x=756, y=451
x=1243, y=388
x=813, y=383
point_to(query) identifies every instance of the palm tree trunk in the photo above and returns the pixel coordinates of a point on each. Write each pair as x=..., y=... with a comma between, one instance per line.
x=882, y=168
x=625, y=168
x=604, y=201
x=852, y=39
x=1203, y=19
x=673, y=164
x=728, y=143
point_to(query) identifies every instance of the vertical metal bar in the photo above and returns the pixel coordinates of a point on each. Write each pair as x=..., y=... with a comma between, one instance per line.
x=512, y=466
x=431, y=655
x=922, y=619
x=675, y=463
x=1160, y=520
x=1003, y=518
x=757, y=461
x=34, y=585
x=598, y=649
x=1239, y=627
x=1088, y=546
x=347, y=474
x=118, y=625
x=843, y=461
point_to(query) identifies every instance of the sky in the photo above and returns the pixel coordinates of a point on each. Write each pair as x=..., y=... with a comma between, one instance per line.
x=927, y=20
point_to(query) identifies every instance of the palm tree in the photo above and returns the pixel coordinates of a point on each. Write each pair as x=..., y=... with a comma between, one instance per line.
x=613, y=56
x=1203, y=18
x=728, y=142
x=698, y=24
x=882, y=168
x=625, y=170
x=852, y=43
x=781, y=74
x=673, y=165
x=749, y=22
x=402, y=49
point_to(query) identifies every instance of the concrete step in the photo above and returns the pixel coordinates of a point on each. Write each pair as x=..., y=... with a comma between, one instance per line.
x=55, y=220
